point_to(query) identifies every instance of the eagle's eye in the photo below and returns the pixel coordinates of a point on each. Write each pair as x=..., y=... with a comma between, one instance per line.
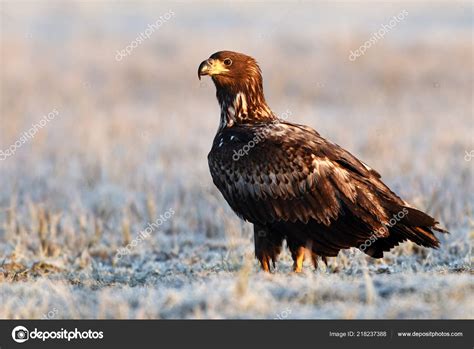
x=227, y=61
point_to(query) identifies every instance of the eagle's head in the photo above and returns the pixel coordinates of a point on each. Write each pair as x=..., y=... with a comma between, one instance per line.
x=232, y=71
x=239, y=86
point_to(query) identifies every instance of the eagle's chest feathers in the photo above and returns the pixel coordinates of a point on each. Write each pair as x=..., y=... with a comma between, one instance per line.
x=243, y=108
x=236, y=142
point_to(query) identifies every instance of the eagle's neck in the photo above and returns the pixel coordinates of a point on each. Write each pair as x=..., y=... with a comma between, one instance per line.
x=243, y=107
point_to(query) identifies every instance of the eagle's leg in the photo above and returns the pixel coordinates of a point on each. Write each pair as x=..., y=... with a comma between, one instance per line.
x=267, y=246
x=315, y=257
x=298, y=254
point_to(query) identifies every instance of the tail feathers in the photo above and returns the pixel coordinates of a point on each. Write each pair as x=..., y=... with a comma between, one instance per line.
x=417, y=218
x=411, y=216
x=399, y=233
x=410, y=224
x=380, y=246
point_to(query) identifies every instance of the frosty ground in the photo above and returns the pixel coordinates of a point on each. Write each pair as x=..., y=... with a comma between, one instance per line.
x=200, y=283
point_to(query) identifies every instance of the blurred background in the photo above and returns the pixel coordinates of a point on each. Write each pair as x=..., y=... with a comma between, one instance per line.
x=131, y=137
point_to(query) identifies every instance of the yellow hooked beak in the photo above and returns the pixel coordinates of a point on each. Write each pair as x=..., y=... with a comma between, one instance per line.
x=211, y=67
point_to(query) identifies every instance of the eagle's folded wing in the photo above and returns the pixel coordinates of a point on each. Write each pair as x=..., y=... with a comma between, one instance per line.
x=289, y=173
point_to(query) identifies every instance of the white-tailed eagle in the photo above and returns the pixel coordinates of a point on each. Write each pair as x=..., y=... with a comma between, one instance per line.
x=293, y=184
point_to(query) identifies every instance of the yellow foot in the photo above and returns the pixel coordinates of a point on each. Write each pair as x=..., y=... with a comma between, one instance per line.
x=299, y=258
x=265, y=263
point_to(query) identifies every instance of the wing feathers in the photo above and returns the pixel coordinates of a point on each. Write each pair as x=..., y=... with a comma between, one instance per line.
x=312, y=190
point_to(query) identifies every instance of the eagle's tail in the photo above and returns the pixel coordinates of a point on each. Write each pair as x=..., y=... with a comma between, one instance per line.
x=414, y=225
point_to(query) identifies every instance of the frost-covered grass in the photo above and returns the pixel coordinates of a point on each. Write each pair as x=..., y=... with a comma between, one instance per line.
x=130, y=143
